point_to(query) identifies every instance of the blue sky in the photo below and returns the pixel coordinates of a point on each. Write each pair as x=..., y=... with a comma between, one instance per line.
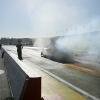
x=29, y=18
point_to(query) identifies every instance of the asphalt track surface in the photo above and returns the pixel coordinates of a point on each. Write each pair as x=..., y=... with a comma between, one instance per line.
x=87, y=84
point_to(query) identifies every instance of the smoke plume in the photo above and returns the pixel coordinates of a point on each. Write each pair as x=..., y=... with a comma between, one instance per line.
x=83, y=40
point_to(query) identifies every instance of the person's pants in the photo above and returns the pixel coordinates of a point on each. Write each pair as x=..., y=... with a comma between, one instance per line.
x=19, y=54
x=3, y=54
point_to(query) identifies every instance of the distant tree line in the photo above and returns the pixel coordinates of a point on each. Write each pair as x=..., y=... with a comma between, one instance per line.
x=13, y=41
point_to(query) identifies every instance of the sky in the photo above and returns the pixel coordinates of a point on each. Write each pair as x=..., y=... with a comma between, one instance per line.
x=33, y=18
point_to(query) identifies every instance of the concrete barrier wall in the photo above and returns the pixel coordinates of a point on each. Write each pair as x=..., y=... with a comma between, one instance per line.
x=25, y=84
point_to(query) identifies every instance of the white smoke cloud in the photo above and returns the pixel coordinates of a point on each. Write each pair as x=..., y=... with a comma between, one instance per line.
x=42, y=42
x=89, y=25
x=85, y=37
x=49, y=16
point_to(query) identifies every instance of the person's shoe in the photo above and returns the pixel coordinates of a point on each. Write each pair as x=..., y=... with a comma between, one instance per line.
x=21, y=59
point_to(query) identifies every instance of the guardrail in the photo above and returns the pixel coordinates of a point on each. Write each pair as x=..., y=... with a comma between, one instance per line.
x=25, y=84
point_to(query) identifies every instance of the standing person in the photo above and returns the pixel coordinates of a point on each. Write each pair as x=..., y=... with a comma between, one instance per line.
x=19, y=49
x=2, y=51
x=0, y=46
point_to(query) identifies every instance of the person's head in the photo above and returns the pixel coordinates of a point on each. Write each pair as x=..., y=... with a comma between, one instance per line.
x=19, y=40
